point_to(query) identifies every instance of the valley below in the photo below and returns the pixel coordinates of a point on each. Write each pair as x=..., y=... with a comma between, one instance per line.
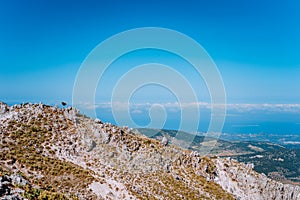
x=278, y=162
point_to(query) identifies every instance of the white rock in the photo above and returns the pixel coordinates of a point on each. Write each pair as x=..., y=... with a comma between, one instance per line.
x=3, y=108
x=164, y=141
x=98, y=121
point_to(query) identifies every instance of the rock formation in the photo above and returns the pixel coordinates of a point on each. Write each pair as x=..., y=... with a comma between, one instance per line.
x=62, y=154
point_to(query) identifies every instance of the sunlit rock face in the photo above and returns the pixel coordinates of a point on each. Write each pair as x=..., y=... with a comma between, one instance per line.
x=242, y=181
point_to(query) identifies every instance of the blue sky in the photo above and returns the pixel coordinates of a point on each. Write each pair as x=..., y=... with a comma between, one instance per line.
x=255, y=44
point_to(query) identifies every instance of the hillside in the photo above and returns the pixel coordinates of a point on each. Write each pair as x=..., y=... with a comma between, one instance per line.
x=277, y=162
x=52, y=153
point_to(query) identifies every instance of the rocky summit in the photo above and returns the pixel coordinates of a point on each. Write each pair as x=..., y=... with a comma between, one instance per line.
x=57, y=153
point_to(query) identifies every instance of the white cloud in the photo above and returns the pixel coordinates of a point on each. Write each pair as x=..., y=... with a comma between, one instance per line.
x=176, y=107
x=291, y=108
x=136, y=111
x=291, y=142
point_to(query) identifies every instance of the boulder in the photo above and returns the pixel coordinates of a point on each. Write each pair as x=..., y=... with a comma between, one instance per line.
x=3, y=108
x=98, y=121
x=164, y=141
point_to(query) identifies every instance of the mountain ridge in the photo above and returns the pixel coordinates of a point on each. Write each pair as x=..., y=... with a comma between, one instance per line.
x=63, y=154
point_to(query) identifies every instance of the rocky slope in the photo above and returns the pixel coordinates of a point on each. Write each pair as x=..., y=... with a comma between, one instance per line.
x=61, y=154
x=271, y=159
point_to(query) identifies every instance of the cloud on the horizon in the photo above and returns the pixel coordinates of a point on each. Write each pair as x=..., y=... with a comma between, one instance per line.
x=176, y=107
